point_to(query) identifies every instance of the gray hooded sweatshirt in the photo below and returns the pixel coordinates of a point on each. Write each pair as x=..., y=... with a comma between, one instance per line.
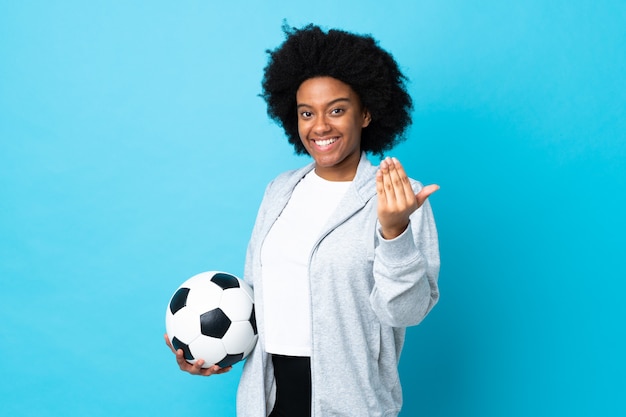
x=365, y=291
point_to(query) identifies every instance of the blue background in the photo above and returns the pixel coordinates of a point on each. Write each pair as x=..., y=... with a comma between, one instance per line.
x=134, y=151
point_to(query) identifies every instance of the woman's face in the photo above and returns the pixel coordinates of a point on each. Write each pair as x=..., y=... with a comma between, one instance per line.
x=330, y=120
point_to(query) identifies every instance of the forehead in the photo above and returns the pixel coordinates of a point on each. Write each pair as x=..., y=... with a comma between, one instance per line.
x=322, y=90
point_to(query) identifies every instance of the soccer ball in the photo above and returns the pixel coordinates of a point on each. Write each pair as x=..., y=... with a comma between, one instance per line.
x=211, y=317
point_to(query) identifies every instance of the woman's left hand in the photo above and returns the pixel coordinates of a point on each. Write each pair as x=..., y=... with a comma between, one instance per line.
x=396, y=200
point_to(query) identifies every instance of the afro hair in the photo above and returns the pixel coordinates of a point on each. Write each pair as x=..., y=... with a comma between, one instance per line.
x=356, y=60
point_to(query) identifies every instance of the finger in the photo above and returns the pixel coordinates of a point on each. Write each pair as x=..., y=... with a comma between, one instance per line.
x=223, y=370
x=213, y=370
x=387, y=183
x=180, y=359
x=380, y=188
x=379, y=183
x=168, y=343
x=396, y=183
x=404, y=188
x=197, y=368
x=425, y=192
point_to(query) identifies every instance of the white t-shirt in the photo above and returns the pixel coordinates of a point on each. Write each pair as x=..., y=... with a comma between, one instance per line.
x=285, y=264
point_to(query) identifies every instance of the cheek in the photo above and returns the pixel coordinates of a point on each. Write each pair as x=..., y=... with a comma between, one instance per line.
x=301, y=131
x=305, y=128
x=354, y=128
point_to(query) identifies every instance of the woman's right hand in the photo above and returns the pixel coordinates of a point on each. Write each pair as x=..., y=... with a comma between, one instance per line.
x=195, y=368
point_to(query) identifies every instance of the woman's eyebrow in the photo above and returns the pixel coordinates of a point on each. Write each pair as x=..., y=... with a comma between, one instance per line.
x=330, y=103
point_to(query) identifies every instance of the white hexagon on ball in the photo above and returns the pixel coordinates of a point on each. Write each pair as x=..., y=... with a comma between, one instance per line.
x=205, y=297
x=236, y=304
x=238, y=337
x=185, y=325
x=208, y=348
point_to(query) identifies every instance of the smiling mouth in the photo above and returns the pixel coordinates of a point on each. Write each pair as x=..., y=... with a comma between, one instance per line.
x=325, y=142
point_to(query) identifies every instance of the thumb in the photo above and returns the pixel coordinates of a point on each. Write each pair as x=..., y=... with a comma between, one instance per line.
x=424, y=193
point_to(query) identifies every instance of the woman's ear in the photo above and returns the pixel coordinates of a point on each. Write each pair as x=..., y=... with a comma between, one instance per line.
x=367, y=118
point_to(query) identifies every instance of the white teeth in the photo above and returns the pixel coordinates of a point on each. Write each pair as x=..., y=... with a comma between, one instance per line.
x=325, y=142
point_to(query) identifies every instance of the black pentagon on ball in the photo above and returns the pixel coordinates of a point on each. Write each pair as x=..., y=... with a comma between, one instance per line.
x=253, y=321
x=225, y=281
x=179, y=300
x=230, y=360
x=177, y=344
x=214, y=323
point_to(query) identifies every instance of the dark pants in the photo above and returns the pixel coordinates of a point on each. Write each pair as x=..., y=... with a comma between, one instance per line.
x=293, y=386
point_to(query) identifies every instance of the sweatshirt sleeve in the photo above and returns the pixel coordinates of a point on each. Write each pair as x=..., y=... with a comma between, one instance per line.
x=406, y=270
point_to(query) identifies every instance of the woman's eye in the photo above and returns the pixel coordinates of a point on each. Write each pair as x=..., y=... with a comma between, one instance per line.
x=306, y=114
x=336, y=111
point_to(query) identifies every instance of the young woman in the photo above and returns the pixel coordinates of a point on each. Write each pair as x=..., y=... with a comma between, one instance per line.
x=343, y=256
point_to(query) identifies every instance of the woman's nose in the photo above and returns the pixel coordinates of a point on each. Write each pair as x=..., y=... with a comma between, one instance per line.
x=321, y=125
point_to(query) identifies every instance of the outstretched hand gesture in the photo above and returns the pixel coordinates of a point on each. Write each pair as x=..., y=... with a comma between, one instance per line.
x=196, y=368
x=396, y=200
